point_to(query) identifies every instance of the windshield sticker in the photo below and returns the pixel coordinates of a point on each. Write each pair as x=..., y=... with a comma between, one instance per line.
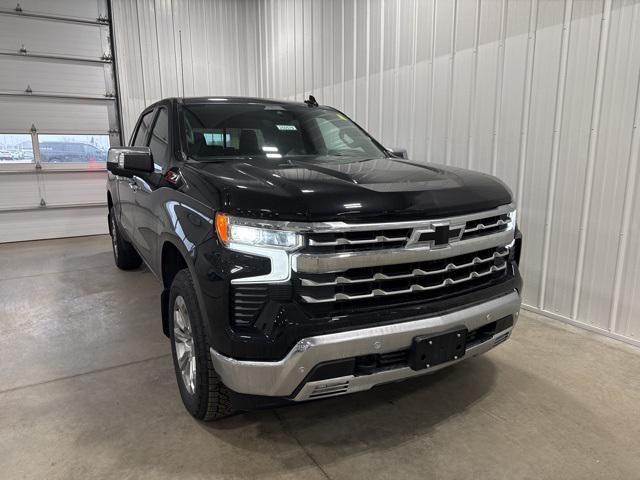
x=286, y=127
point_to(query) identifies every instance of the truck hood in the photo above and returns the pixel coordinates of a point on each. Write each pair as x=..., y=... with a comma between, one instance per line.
x=353, y=190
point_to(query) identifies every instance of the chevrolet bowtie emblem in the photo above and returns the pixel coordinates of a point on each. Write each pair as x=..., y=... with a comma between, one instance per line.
x=440, y=235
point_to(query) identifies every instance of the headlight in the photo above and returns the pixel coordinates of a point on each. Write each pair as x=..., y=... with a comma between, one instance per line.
x=248, y=232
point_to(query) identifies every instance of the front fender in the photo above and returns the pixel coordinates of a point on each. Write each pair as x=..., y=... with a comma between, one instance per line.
x=186, y=227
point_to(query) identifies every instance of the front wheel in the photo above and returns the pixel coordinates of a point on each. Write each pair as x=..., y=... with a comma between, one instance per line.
x=203, y=393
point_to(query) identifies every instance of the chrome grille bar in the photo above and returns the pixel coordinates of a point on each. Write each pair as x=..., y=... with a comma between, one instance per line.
x=378, y=292
x=340, y=280
x=421, y=241
x=347, y=241
x=481, y=226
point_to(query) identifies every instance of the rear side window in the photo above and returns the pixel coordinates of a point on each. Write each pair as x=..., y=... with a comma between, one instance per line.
x=159, y=142
x=141, y=135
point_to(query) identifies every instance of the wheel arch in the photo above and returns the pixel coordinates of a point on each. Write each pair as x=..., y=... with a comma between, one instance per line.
x=173, y=258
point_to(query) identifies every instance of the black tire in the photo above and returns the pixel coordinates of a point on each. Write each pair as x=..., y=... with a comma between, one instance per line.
x=206, y=397
x=124, y=255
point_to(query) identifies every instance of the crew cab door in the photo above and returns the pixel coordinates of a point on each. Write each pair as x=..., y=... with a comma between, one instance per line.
x=147, y=204
x=127, y=187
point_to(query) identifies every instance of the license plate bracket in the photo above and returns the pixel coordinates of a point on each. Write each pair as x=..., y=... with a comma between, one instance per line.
x=428, y=351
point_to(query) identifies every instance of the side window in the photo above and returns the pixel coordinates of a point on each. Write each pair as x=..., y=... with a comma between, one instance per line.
x=159, y=143
x=143, y=129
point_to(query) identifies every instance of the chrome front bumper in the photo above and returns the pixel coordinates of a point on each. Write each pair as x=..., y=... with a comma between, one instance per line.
x=282, y=378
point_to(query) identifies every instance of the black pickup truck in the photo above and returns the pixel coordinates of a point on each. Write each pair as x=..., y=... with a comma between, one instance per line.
x=299, y=258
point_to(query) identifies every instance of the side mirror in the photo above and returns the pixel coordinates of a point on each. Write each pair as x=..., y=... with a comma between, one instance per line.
x=127, y=161
x=398, y=152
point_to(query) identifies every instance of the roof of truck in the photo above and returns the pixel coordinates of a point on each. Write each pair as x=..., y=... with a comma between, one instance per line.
x=221, y=99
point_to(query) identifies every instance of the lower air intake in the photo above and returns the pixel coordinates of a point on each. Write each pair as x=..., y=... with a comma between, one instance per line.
x=246, y=303
x=330, y=389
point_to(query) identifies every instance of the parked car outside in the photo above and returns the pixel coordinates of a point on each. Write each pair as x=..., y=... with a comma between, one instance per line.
x=53, y=152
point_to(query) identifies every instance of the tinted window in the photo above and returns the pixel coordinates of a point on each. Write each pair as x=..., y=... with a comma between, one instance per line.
x=143, y=129
x=159, y=142
x=334, y=139
x=272, y=131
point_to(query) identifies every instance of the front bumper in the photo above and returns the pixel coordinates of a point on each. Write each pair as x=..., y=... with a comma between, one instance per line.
x=286, y=378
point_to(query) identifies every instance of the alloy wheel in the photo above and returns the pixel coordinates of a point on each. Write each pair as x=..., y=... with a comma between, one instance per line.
x=185, y=348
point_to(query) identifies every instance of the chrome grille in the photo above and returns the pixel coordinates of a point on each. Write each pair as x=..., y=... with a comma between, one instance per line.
x=338, y=237
x=338, y=247
x=434, y=278
x=345, y=266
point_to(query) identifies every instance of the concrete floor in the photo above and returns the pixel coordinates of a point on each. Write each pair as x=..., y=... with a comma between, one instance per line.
x=87, y=391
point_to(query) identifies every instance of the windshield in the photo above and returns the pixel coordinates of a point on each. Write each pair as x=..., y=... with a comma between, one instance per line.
x=272, y=131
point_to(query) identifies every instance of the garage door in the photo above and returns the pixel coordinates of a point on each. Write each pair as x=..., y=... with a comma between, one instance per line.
x=59, y=115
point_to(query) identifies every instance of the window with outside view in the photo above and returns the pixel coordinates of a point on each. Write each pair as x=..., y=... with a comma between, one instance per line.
x=15, y=148
x=73, y=148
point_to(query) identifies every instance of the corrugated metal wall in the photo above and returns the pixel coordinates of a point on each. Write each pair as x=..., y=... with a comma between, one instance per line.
x=542, y=93
x=170, y=48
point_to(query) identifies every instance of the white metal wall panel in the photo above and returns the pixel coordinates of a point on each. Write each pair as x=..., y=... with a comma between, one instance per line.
x=170, y=48
x=539, y=140
x=519, y=47
x=462, y=87
x=612, y=148
x=484, y=107
x=573, y=138
x=405, y=80
x=131, y=71
x=543, y=93
x=626, y=301
x=424, y=17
